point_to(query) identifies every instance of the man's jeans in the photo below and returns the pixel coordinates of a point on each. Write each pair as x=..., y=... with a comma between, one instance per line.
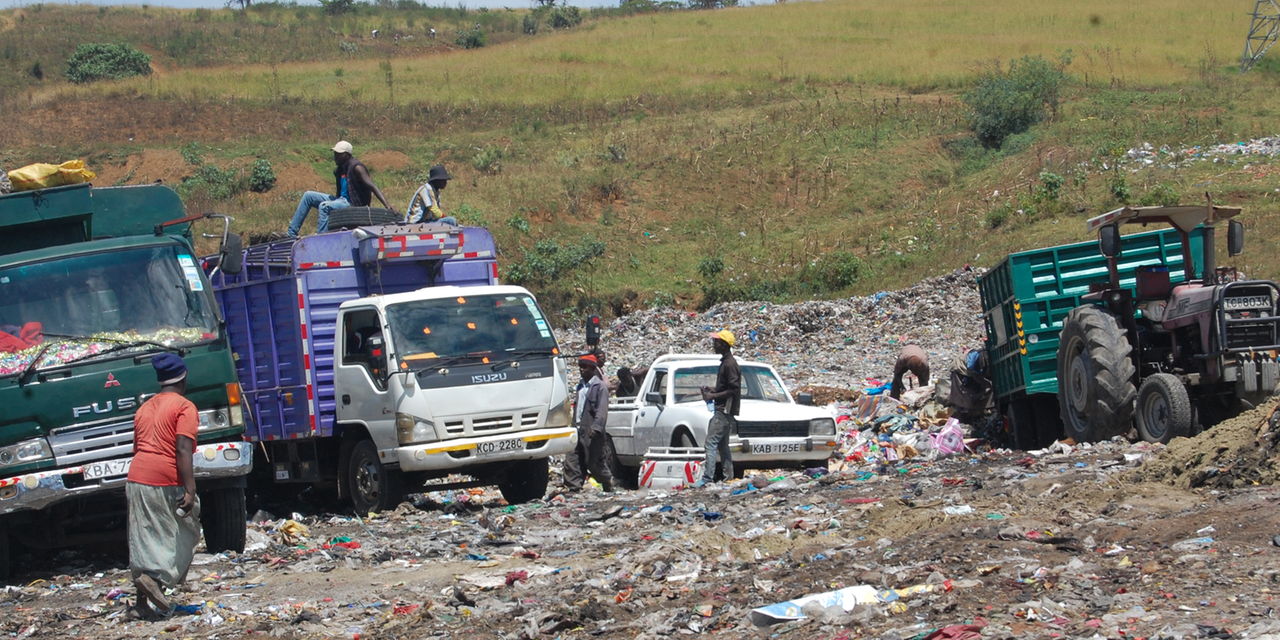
x=718, y=432
x=322, y=203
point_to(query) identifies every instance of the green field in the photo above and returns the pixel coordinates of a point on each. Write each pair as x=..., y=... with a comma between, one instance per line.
x=766, y=136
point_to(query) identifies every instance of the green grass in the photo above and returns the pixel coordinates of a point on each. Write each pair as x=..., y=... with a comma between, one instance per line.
x=766, y=136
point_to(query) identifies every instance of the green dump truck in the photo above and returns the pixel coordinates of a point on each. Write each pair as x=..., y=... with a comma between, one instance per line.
x=94, y=282
x=1091, y=340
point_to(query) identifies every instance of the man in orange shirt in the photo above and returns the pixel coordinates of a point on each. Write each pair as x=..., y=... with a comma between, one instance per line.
x=164, y=512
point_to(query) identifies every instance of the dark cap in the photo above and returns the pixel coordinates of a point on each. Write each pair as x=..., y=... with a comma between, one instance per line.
x=438, y=173
x=170, y=369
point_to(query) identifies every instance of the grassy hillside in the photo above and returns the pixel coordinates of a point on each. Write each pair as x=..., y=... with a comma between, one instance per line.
x=766, y=137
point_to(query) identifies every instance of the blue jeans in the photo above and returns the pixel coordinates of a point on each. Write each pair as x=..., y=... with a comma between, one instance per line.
x=718, y=432
x=322, y=203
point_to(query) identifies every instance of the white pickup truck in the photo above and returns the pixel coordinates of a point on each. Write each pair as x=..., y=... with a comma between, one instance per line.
x=773, y=430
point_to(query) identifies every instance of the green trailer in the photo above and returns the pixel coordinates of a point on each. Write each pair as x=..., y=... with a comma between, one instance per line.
x=1024, y=301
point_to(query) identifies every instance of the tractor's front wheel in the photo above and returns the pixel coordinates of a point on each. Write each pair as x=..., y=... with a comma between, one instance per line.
x=1095, y=376
x=1164, y=410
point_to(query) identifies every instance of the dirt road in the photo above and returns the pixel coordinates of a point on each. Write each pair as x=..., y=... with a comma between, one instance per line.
x=1073, y=542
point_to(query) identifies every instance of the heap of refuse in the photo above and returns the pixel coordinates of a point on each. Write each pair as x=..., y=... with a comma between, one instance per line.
x=1147, y=154
x=840, y=343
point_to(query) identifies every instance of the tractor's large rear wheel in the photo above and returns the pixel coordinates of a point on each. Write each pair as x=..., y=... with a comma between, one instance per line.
x=1095, y=376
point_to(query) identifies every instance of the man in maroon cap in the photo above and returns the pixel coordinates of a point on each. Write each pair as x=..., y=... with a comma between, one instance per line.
x=590, y=414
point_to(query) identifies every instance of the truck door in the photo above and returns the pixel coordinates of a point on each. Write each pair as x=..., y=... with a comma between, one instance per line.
x=647, y=431
x=360, y=375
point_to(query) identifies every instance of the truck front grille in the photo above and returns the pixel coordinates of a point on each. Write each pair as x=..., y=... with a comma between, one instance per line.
x=92, y=441
x=1251, y=334
x=492, y=424
x=779, y=429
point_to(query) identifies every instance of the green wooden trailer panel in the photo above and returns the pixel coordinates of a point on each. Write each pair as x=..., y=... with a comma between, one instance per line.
x=1026, y=297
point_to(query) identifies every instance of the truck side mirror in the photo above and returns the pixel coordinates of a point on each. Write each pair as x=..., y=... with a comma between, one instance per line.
x=655, y=398
x=231, y=257
x=377, y=356
x=805, y=398
x=592, y=330
x=1235, y=238
x=1109, y=241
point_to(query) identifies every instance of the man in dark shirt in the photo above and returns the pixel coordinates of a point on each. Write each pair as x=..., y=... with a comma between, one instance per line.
x=727, y=396
x=912, y=358
x=353, y=185
x=594, y=449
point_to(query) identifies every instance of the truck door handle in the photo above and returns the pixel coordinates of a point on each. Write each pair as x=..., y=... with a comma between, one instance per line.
x=346, y=399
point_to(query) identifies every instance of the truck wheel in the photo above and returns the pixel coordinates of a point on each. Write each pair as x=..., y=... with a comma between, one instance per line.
x=223, y=516
x=1095, y=376
x=1164, y=410
x=352, y=217
x=626, y=477
x=682, y=438
x=524, y=480
x=371, y=486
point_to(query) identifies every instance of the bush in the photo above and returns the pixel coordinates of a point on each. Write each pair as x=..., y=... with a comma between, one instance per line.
x=1003, y=103
x=833, y=271
x=564, y=17
x=261, y=178
x=519, y=223
x=97, y=61
x=1050, y=187
x=996, y=217
x=1119, y=188
x=337, y=7
x=548, y=262
x=1161, y=194
x=488, y=160
x=470, y=39
x=210, y=182
x=529, y=25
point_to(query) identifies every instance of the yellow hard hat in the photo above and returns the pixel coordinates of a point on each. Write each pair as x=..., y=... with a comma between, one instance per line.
x=726, y=335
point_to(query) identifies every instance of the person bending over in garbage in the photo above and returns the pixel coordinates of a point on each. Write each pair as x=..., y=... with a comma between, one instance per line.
x=594, y=450
x=727, y=396
x=164, y=512
x=912, y=358
x=425, y=206
x=352, y=183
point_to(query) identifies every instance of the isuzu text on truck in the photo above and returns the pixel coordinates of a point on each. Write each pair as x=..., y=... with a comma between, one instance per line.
x=93, y=284
x=378, y=358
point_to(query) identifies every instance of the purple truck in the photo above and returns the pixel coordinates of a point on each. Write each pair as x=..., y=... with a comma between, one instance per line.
x=376, y=359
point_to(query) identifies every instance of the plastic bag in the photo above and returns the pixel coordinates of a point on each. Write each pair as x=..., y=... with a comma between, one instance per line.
x=43, y=175
x=950, y=440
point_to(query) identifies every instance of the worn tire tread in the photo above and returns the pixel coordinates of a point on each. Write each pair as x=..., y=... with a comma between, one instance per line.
x=1112, y=394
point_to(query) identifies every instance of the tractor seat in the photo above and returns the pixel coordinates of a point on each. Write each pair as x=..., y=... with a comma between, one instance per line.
x=1153, y=282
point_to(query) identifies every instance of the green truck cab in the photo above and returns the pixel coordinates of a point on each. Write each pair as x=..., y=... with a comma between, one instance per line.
x=94, y=282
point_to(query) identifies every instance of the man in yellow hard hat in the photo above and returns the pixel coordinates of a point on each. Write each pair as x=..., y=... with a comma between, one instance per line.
x=727, y=396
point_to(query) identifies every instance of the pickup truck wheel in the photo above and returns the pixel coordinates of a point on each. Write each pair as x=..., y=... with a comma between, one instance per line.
x=371, y=486
x=524, y=480
x=1164, y=410
x=1095, y=376
x=352, y=217
x=683, y=438
x=626, y=477
x=222, y=516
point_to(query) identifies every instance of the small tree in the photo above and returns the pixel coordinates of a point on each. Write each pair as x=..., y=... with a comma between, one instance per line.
x=98, y=61
x=337, y=7
x=1003, y=103
x=565, y=17
x=471, y=38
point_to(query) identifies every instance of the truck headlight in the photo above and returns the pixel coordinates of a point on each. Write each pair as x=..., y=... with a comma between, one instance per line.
x=215, y=419
x=25, y=452
x=822, y=427
x=558, y=416
x=412, y=430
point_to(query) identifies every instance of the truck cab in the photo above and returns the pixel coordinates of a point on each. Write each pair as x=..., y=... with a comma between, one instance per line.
x=773, y=430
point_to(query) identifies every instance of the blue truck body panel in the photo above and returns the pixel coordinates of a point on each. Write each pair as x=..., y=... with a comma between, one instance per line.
x=281, y=309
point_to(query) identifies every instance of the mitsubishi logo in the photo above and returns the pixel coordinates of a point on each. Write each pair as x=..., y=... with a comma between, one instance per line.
x=111, y=381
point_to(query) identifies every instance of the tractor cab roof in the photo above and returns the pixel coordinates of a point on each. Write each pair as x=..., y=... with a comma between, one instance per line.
x=1184, y=217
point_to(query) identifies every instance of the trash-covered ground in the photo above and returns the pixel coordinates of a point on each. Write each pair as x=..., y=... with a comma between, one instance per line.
x=1067, y=542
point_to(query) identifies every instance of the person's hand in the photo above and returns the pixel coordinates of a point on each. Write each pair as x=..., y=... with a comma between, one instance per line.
x=706, y=394
x=187, y=501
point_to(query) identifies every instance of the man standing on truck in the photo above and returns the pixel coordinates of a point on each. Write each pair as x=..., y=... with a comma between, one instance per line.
x=912, y=358
x=425, y=206
x=594, y=447
x=164, y=512
x=352, y=184
x=727, y=395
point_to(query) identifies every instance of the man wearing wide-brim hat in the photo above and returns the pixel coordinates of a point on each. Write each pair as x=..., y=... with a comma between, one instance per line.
x=425, y=206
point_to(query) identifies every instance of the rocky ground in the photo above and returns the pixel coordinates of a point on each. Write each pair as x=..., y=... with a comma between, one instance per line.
x=1112, y=540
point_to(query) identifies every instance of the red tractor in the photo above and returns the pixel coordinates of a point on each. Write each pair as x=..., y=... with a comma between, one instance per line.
x=1175, y=356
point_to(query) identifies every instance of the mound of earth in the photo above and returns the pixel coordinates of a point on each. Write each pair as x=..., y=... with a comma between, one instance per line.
x=1239, y=452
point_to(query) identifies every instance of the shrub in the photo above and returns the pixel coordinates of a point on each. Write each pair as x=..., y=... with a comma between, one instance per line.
x=1119, y=188
x=518, y=222
x=488, y=160
x=261, y=178
x=471, y=39
x=548, y=262
x=1161, y=194
x=833, y=271
x=210, y=182
x=564, y=17
x=97, y=61
x=1005, y=102
x=711, y=267
x=1050, y=187
x=996, y=217
x=529, y=25
x=337, y=7
x=191, y=154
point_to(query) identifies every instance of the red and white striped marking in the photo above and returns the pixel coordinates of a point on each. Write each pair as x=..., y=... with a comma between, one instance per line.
x=332, y=264
x=313, y=407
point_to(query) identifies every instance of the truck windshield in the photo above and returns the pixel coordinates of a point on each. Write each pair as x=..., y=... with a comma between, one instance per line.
x=758, y=383
x=498, y=327
x=117, y=302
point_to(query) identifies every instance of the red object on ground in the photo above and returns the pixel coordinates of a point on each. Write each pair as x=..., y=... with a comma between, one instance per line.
x=957, y=632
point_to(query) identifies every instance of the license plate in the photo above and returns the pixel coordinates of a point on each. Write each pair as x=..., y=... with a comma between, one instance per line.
x=496, y=447
x=107, y=469
x=775, y=447
x=1246, y=302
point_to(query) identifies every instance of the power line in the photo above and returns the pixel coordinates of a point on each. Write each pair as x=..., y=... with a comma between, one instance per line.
x=1263, y=32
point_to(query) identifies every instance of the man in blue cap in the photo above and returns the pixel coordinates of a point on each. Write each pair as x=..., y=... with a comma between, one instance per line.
x=164, y=512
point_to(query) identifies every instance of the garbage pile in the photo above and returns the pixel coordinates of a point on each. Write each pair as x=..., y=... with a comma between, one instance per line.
x=1239, y=452
x=1146, y=154
x=837, y=343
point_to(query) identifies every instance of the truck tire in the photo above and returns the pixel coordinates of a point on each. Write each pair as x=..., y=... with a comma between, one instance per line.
x=223, y=518
x=682, y=438
x=371, y=486
x=1095, y=376
x=352, y=217
x=1164, y=409
x=524, y=480
x=624, y=476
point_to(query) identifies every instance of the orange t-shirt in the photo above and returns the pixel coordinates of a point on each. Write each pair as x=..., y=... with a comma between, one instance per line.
x=156, y=427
